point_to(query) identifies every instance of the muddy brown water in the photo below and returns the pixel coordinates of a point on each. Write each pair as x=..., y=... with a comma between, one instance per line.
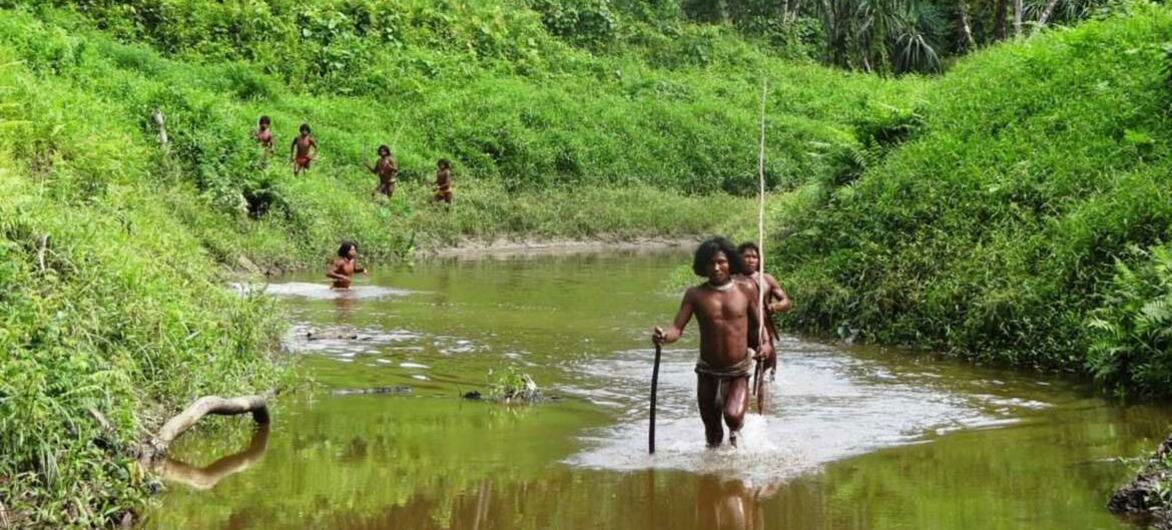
x=854, y=438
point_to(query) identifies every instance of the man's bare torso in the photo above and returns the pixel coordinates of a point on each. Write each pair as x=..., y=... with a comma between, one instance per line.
x=724, y=323
x=344, y=267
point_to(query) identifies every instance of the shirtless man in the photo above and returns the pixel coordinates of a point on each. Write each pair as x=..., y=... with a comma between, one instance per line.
x=386, y=169
x=264, y=134
x=343, y=268
x=727, y=312
x=443, y=181
x=303, y=150
x=776, y=301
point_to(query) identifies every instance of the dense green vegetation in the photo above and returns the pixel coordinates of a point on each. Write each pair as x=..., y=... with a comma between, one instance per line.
x=110, y=307
x=888, y=36
x=1023, y=222
x=1013, y=210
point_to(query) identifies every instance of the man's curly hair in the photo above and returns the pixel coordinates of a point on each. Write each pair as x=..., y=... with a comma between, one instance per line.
x=709, y=248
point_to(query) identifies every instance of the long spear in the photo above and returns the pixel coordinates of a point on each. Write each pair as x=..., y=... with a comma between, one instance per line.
x=762, y=334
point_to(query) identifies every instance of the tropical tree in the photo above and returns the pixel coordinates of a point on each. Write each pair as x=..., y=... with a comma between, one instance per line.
x=894, y=36
x=881, y=35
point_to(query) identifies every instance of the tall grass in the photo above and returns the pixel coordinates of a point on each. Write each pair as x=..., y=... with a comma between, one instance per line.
x=107, y=305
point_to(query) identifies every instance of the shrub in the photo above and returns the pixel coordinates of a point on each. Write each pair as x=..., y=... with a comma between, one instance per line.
x=1131, y=332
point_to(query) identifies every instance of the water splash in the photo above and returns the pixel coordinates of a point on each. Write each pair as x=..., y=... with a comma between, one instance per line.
x=321, y=291
x=824, y=406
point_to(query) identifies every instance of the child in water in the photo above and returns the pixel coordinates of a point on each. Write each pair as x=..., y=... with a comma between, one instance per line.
x=343, y=267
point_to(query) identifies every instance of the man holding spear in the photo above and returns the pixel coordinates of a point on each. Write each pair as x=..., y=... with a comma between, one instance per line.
x=730, y=337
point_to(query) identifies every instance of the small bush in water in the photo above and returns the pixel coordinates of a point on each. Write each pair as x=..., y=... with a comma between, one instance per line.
x=511, y=385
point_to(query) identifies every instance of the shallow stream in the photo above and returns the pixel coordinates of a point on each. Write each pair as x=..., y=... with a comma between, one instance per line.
x=853, y=438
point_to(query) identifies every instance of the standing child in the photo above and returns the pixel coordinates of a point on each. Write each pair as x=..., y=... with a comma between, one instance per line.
x=387, y=170
x=443, y=181
x=303, y=150
x=264, y=134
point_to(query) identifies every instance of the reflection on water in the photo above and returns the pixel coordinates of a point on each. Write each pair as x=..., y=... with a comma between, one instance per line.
x=206, y=478
x=857, y=439
x=729, y=504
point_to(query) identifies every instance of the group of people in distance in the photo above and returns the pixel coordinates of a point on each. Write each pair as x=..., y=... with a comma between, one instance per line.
x=304, y=149
x=731, y=334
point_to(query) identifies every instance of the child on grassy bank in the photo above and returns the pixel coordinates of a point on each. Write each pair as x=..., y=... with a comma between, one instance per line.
x=443, y=181
x=386, y=169
x=303, y=150
x=264, y=134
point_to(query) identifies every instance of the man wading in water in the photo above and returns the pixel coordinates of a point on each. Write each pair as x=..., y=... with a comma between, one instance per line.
x=776, y=301
x=729, y=332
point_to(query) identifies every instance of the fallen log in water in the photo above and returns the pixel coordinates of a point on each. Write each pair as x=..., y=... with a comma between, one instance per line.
x=257, y=405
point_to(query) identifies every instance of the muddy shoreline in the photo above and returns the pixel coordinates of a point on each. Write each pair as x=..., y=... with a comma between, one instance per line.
x=474, y=249
x=502, y=248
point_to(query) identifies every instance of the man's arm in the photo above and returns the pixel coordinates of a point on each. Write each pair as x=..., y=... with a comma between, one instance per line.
x=783, y=302
x=293, y=149
x=673, y=333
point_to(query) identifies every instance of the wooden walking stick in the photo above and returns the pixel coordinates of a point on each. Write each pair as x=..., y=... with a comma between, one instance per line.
x=654, y=387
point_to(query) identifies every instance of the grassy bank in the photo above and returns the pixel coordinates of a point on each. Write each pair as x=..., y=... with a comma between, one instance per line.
x=1023, y=220
x=114, y=308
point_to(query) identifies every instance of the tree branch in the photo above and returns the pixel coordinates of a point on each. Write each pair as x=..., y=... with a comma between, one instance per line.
x=41, y=252
x=1018, y=7
x=965, y=26
x=1046, y=13
x=257, y=405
